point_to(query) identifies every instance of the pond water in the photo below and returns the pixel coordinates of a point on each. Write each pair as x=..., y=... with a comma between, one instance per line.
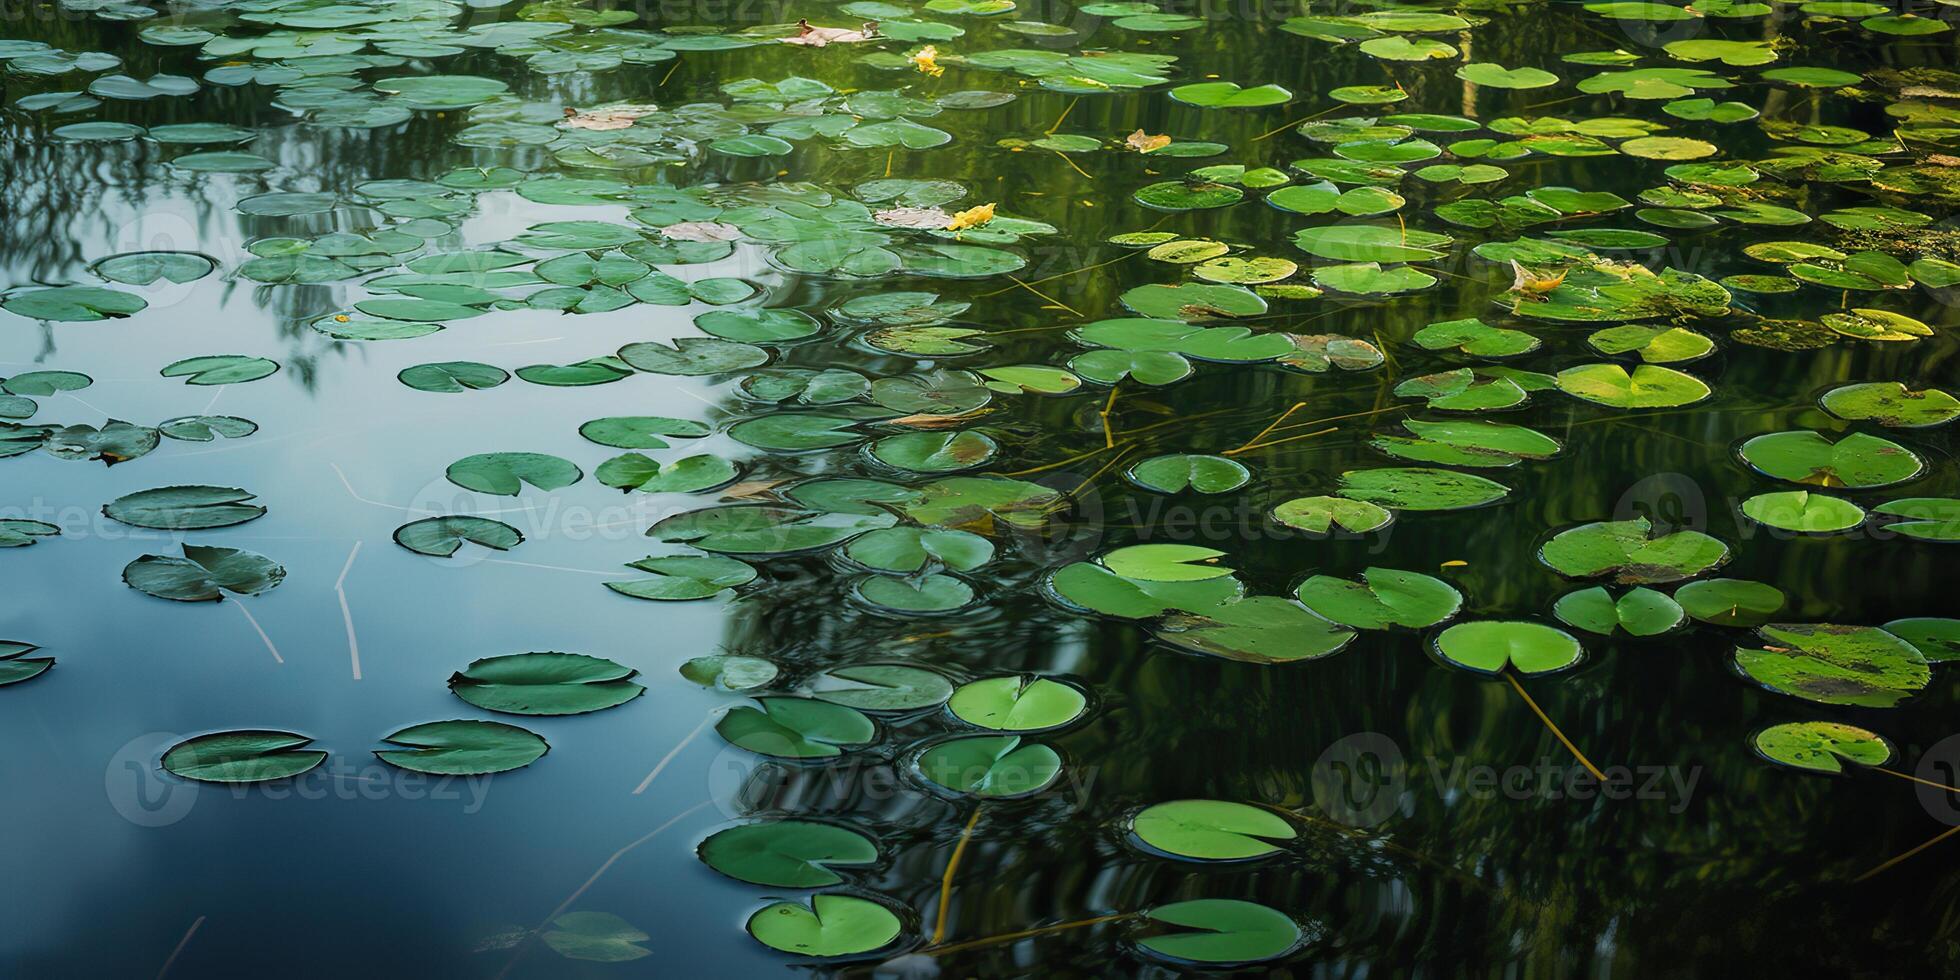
x=1276, y=488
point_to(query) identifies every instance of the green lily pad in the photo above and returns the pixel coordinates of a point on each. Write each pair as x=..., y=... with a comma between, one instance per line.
x=796, y=728
x=1803, y=511
x=831, y=925
x=1936, y=638
x=1857, y=665
x=684, y=577
x=1221, y=932
x=1730, y=602
x=882, y=687
x=1640, y=612
x=1648, y=386
x=787, y=853
x=441, y=537
x=1178, y=472
x=1857, y=461
x=1228, y=95
x=545, y=684
x=1211, y=830
x=1319, y=515
x=730, y=673
x=1925, y=518
x=1488, y=646
x=453, y=376
x=1890, y=403
x=203, y=574
x=16, y=666
x=463, y=748
x=504, y=474
x=1631, y=553
x=19, y=533
x=991, y=766
x=1016, y=703
x=185, y=508
x=1421, y=488
x=1384, y=598
x=245, y=756
x=221, y=369
x=1822, y=746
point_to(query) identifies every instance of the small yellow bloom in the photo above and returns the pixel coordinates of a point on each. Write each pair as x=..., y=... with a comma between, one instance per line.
x=924, y=61
x=971, y=218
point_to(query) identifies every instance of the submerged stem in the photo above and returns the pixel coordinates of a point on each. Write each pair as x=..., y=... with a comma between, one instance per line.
x=1547, y=719
x=946, y=880
x=1942, y=835
x=1023, y=934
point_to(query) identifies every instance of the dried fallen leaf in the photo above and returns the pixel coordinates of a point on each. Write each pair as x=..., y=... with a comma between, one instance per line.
x=750, y=490
x=701, y=231
x=606, y=117
x=817, y=37
x=912, y=218
x=1144, y=143
x=929, y=421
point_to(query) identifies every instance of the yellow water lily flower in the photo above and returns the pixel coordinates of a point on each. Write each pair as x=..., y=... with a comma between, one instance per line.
x=924, y=61
x=971, y=218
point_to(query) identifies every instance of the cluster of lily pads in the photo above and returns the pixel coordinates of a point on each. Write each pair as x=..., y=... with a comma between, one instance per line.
x=912, y=511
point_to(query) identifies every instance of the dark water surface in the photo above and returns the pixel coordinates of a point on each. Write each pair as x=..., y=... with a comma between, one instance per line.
x=1442, y=829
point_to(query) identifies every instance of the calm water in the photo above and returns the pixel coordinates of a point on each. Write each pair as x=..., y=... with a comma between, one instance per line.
x=1430, y=859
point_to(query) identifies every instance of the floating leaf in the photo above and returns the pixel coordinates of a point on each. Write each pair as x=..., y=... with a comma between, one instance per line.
x=185, y=508
x=1648, y=386
x=504, y=474
x=221, y=369
x=16, y=666
x=1822, y=746
x=245, y=756
x=682, y=577
x=1858, y=665
x=1803, y=511
x=1222, y=931
x=831, y=925
x=1016, y=703
x=1318, y=515
x=796, y=728
x=1640, y=611
x=1890, y=403
x=1421, y=488
x=463, y=748
x=991, y=766
x=882, y=687
x=1382, y=599
x=545, y=684
x=1179, y=472
x=787, y=853
x=729, y=673
x=1211, y=830
x=1857, y=461
x=1488, y=646
x=1730, y=602
x=203, y=574
x=440, y=537
x=1631, y=553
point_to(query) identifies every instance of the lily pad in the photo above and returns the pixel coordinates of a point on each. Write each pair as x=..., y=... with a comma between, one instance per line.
x=203, y=574
x=545, y=684
x=1211, y=830
x=787, y=853
x=463, y=748
x=1829, y=664
x=1384, y=598
x=1857, y=461
x=1822, y=746
x=991, y=766
x=796, y=728
x=1488, y=646
x=1016, y=703
x=831, y=925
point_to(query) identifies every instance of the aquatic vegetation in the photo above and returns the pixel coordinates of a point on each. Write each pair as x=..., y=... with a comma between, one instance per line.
x=1026, y=391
